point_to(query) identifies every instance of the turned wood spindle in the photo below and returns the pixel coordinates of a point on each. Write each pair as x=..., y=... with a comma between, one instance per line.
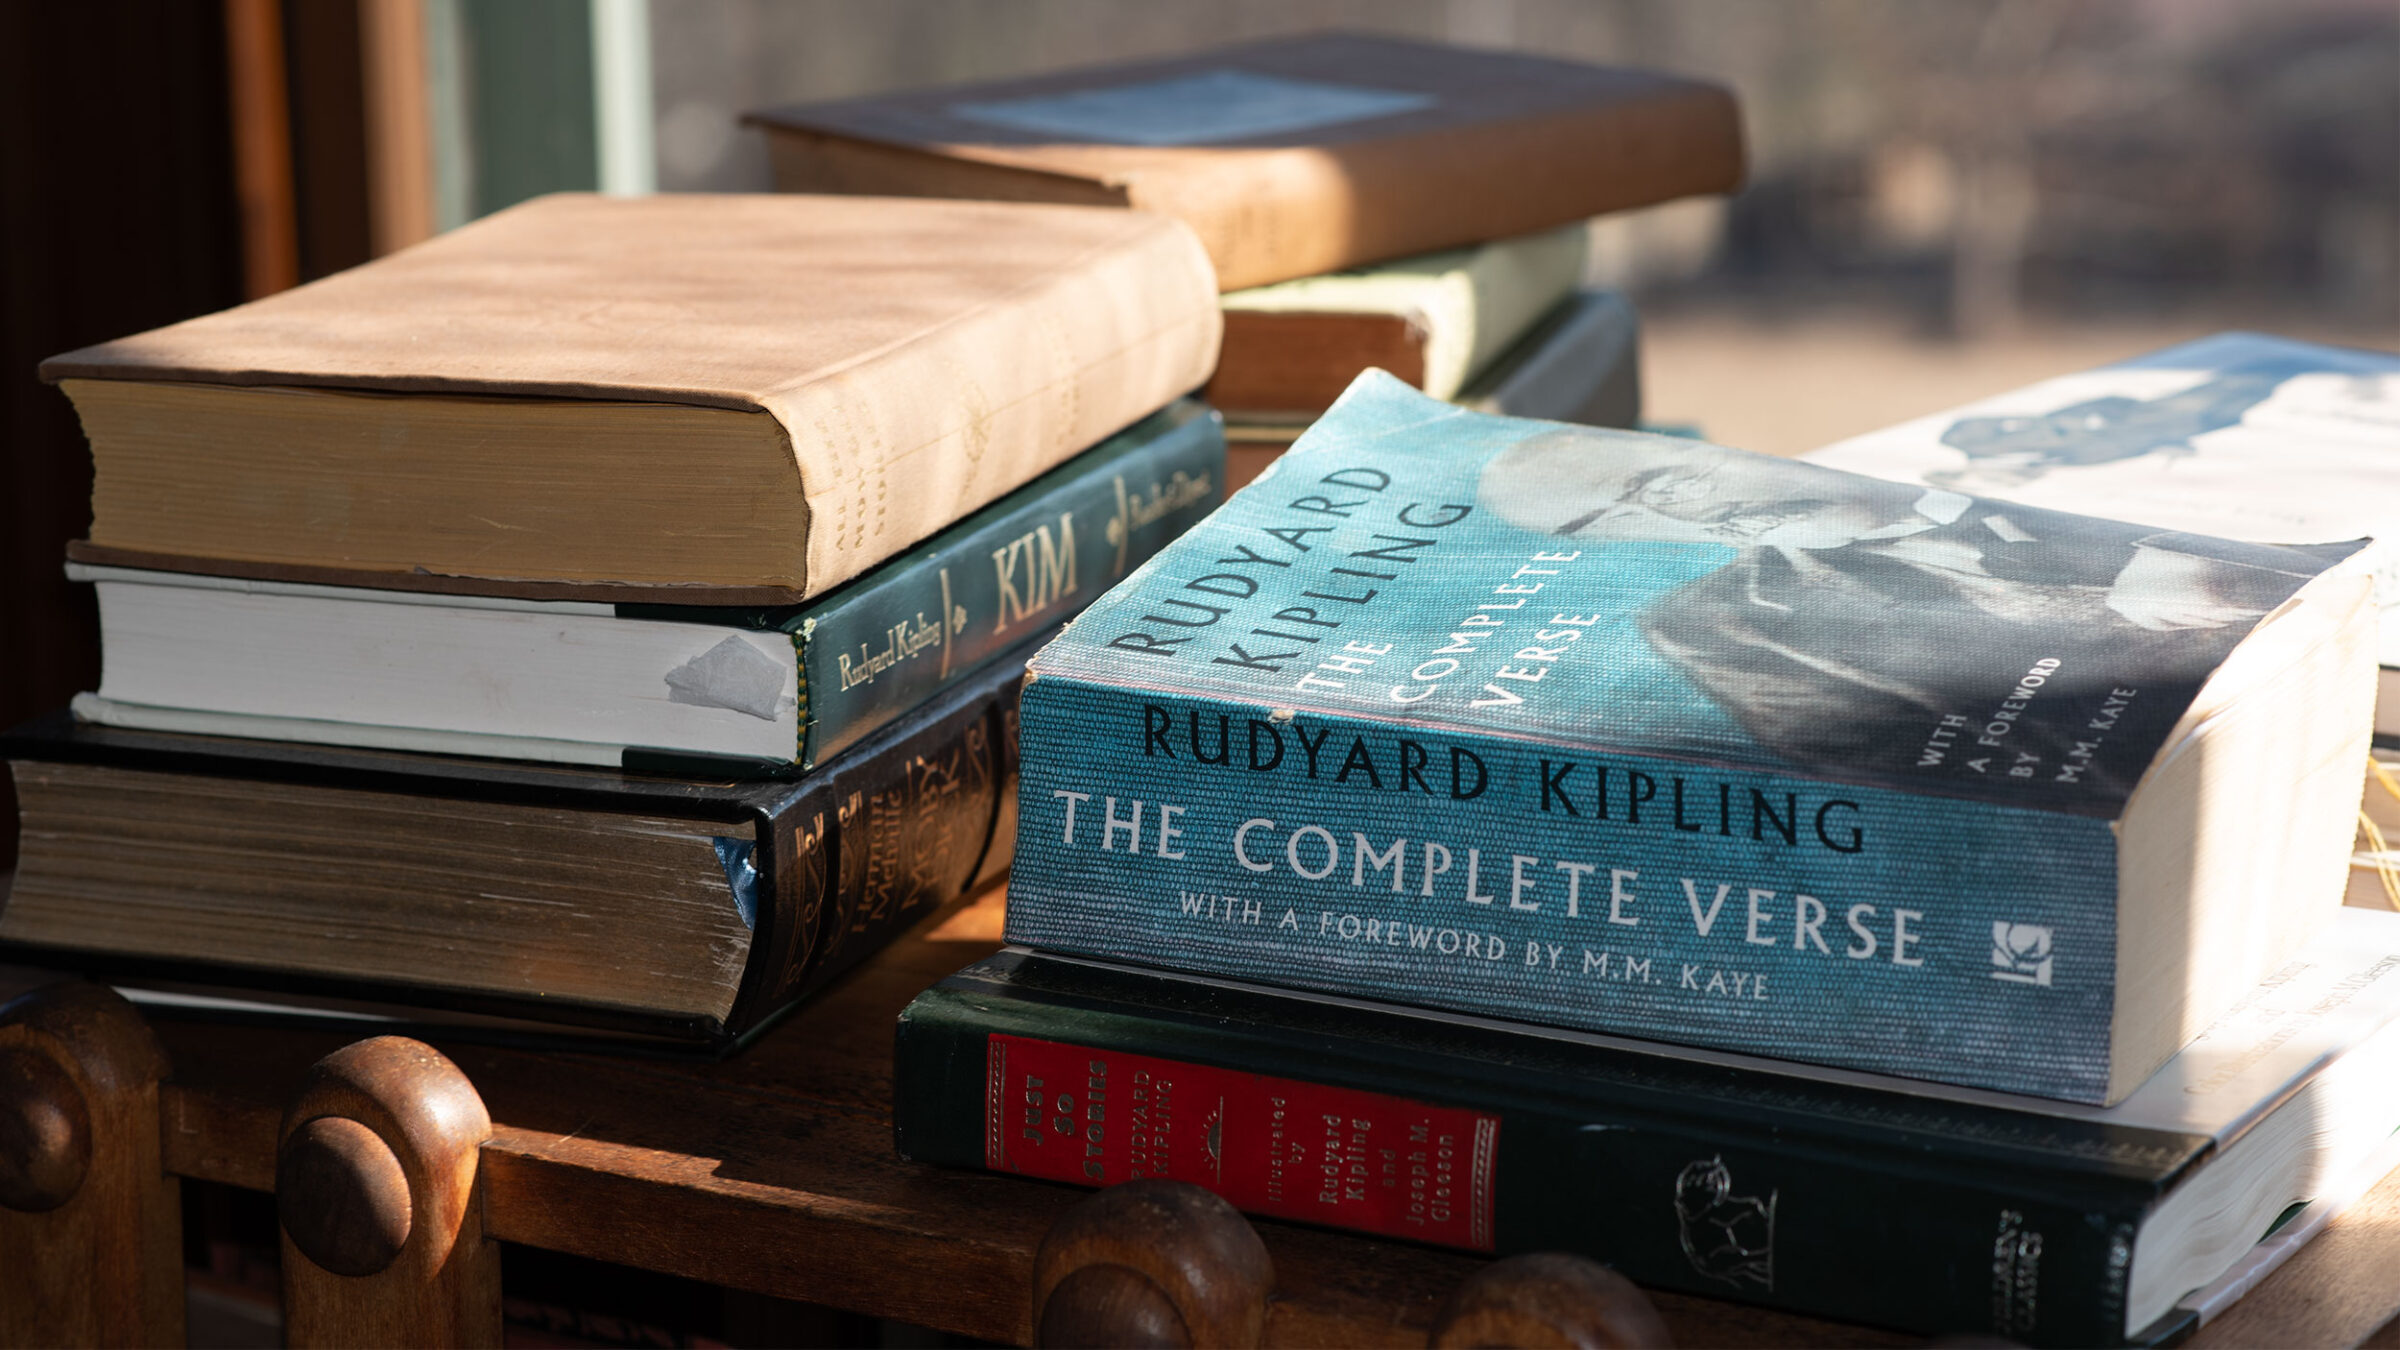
x=1151, y=1263
x=376, y=1183
x=91, y=1225
x=1546, y=1300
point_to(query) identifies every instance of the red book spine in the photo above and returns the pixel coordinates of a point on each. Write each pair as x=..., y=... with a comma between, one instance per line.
x=1272, y=1146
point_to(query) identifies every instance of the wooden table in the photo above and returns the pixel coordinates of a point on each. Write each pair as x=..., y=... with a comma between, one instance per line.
x=774, y=1172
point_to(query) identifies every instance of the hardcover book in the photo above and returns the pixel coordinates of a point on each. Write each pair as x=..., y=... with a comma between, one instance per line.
x=772, y=690
x=738, y=400
x=1579, y=363
x=1436, y=321
x=2240, y=434
x=1842, y=1194
x=1293, y=156
x=680, y=910
x=1637, y=734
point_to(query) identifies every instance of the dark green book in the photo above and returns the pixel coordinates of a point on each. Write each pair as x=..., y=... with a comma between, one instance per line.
x=672, y=910
x=1842, y=1194
x=771, y=691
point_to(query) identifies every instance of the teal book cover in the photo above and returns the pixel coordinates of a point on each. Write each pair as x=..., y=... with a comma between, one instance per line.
x=1633, y=734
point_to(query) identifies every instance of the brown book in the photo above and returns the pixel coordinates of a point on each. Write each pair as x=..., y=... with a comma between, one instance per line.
x=669, y=902
x=747, y=398
x=1299, y=363
x=1292, y=156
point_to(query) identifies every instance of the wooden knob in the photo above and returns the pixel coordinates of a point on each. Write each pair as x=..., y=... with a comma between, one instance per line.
x=1102, y=1306
x=89, y=1217
x=45, y=1133
x=1548, y=1299
x=377, y=1186
x=1151, y=1263
x=343, y=1196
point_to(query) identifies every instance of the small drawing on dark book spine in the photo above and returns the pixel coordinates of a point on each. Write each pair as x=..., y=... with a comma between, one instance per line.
x=1726, y=1237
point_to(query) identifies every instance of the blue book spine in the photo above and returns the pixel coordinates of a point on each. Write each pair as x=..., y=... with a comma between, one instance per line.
x=1840, y=924
x=884, y=644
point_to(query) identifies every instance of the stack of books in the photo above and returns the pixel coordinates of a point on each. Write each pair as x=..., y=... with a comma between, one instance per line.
x=1368, y=202
x=608, y=615
x=1856, y=896
x=1860, y=895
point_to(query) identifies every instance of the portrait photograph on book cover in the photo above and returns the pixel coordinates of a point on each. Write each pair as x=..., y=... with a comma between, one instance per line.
x=1855, y=621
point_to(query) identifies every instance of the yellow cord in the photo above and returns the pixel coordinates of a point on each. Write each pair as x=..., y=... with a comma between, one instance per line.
x=2385, y=871
x=2383, y=775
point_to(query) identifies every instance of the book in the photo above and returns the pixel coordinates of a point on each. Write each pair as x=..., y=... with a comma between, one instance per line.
x=1583, y=359
x=1293, y=156
x=2241, y=434
x=1841, y=1194
x=1435, y=321
x=1581, y=362
x=733, y=400
x=765, y=690
x=1637, y=734
x=650, y=908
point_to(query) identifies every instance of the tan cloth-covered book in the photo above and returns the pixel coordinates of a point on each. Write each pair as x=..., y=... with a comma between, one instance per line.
x=1293, y=156
x=747, y=398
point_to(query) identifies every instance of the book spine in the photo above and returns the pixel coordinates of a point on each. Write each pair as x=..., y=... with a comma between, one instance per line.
x=1370, y=1141
x=1580, y=364
x=1858, y=927
x=882, y=838
x=911, y=834
x=899, y=636
x=1292, y=365
x=795, y=840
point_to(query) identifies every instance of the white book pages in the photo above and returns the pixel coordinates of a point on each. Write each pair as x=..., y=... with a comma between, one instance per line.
x=563, y=681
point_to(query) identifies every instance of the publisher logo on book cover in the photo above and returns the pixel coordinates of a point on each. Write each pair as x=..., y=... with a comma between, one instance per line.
x=2021, y=953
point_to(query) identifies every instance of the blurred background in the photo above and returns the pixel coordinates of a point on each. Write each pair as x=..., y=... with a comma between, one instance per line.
x=1948, y=198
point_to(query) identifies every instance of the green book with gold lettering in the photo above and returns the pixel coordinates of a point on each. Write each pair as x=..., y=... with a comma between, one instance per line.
x=762, y=690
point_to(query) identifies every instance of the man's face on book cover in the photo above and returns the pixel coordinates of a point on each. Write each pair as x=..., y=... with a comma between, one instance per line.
x=1656, y=489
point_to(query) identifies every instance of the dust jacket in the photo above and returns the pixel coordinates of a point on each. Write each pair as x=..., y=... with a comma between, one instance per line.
x=1633, y=734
